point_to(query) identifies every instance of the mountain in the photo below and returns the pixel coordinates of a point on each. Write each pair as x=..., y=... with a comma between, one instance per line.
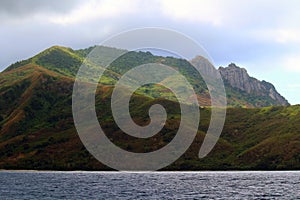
x=248, y=92
x=238, y=78
x=37, y=129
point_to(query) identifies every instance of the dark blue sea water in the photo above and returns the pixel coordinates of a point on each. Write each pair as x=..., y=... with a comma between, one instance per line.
x=158, y=185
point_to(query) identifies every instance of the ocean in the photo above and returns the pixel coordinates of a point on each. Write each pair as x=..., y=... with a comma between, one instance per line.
x=149, y=185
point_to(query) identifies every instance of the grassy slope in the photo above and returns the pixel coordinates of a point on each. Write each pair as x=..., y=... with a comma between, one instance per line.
x=37, y=130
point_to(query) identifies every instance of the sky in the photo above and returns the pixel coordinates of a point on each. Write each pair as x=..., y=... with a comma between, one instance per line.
x=262, y=36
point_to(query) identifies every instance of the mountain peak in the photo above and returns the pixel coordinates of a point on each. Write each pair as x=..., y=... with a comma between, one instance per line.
x=204, y=64
x=233, y=66
x=56, y=47
x=239, y=78
x=199, y=58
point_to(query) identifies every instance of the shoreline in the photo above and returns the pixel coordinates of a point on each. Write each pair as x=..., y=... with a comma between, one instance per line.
x=154, y=172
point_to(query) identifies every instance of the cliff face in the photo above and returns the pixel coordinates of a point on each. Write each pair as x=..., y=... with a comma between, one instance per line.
x=238, y=78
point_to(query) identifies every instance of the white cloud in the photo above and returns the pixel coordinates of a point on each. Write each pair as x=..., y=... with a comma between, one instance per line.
x=294, y=86
x=246, y=14
x=93, y=10
x=229, y=13
x=287, y=35
x=281, y=35
x=194, y=10
x=292, y=63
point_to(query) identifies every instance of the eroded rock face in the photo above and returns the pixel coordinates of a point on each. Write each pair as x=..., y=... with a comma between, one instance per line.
x=238, y=78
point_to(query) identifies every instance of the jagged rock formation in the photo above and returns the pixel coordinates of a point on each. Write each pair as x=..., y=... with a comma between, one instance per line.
x=206, y=68
x=238, y=78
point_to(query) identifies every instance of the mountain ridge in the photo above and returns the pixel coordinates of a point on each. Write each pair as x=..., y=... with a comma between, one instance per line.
x=67, y=61
x=37, y=129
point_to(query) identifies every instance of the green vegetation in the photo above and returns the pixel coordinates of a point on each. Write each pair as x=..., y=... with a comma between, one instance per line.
x=37, y=130
x=66, y=62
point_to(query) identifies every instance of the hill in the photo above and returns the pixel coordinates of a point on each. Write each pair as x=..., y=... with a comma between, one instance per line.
x=66, y=61
x=37, y=129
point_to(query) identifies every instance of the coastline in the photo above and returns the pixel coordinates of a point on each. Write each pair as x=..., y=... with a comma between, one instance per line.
x=154, y=172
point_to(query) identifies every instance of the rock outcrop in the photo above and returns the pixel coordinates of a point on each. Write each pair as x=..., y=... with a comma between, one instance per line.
x=238, y=78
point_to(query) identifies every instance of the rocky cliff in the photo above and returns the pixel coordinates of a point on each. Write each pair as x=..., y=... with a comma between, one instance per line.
x=239, y=78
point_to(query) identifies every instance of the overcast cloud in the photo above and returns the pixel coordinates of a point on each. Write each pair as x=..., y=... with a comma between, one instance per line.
x=26, y=8
x=262, y=36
